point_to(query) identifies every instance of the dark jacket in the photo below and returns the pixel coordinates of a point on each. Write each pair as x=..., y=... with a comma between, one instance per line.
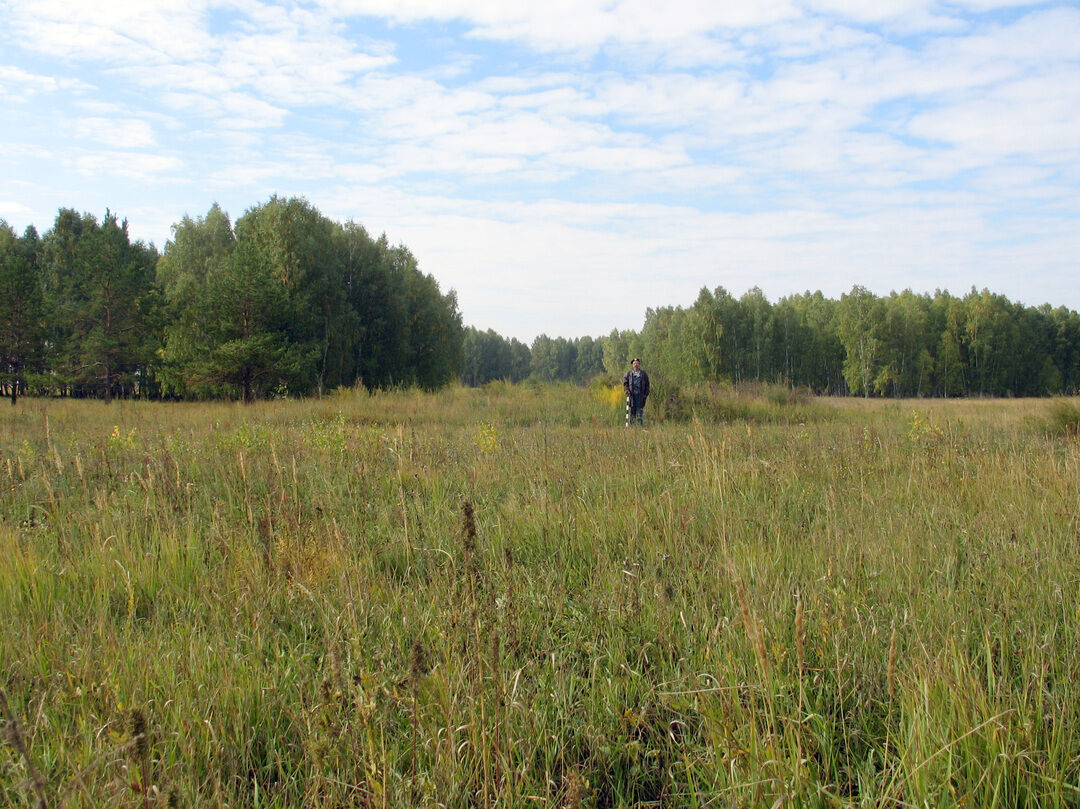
x=644, y=384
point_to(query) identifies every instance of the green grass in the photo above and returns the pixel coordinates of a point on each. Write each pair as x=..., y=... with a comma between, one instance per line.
x=779, y=601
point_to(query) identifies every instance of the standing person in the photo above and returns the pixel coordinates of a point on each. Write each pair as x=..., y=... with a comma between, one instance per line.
x=636, y=386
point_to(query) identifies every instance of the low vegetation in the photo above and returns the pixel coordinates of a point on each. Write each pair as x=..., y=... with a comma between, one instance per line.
x=501, y=597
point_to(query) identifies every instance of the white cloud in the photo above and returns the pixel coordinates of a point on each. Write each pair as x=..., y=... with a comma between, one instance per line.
x=17, y=84
x=118, y=132
x=576, y=24
x=989, y=126
x=1041, y=37
x=11, y=208
x=226, y=110
x=122, y=31
x=138, y=166
x=290, y=57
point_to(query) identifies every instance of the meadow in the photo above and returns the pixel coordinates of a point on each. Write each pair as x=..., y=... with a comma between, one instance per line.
x=502, y=597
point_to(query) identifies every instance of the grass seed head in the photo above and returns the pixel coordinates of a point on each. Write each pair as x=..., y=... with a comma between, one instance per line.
x=139, y=733
x=468, y=527
x=892, y=665
x=418, y=662
x=577, y=787
x=800, y=636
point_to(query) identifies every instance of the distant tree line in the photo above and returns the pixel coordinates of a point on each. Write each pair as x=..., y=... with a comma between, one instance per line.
x=285, y=300
x=904, y=344
x=488, y=356
x=288, y=300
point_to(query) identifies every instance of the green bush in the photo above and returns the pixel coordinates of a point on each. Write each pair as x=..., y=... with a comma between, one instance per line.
x=1063, y=417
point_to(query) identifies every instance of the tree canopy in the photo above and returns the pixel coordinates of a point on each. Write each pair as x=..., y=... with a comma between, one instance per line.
x=287, y=300
x=902, y=344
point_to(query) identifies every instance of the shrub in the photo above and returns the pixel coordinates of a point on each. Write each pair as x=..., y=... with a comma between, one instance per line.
x=1063, y=418
x=713, y=403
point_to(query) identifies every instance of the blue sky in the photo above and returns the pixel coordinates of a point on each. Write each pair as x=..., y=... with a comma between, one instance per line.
x=563, y=168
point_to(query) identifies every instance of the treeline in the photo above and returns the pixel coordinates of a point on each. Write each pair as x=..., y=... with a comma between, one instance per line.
x=285, y=300
x=904, y=344
x=488, y=356
x=290, y=301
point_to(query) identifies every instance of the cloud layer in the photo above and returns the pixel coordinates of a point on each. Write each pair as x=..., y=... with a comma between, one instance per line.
x=566, y=166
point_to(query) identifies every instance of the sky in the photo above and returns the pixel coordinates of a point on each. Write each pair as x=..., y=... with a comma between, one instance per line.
x=564, y=166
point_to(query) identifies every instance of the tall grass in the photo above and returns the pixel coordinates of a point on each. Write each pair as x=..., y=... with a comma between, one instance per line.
x=503, y=598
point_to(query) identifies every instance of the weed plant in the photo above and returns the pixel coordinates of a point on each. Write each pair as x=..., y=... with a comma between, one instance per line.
x=1062, y=418
x=503, y=598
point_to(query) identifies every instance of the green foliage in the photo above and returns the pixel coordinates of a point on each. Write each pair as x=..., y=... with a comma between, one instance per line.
x=617, y=355
x=85, y=312
x=562, y=360
x=22, y=330
x=288, y=301
x=374, y=343
x=101, y=306
x=715, y=404
x=899, y=346
x=435, y=332
x=859, y=317
x=196, y=252
x=924, y=433
x=246, y=319
x=1063, y=417
x=707, y=332
x=487, y=356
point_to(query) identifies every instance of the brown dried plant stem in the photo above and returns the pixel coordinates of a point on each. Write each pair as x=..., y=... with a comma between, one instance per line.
x=14, y=734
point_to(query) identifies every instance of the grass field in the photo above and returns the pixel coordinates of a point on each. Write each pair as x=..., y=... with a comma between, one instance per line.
x=503, y=598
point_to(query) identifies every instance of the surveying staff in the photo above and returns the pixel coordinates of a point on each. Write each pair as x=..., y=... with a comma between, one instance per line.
x=636, y=386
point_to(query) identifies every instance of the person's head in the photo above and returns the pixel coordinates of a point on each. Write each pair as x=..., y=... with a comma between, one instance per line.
x=636, y=363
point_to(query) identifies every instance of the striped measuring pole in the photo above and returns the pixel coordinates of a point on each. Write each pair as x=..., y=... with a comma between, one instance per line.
x=628, y=410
